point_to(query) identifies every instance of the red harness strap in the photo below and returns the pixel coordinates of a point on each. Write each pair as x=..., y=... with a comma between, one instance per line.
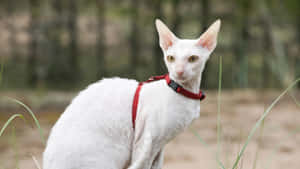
x=171, y=83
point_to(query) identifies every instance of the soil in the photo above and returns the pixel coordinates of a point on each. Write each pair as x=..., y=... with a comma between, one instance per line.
x=276, y=146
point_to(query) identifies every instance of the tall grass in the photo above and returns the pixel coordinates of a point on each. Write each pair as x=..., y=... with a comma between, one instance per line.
x=9, y=121
x=258, y=144
x=220, y=164
x=37, y=165
x=12, y=118
x=13, y=135
x=14, y=145
x=21, y=116
x=33, y=117
x=294, y=99
x=258, y=124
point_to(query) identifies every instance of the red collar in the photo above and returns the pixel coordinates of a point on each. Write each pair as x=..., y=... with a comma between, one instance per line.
x=179, y=89
x=172, y=84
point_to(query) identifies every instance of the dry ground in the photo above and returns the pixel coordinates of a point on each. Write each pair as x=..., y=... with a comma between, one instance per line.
x=279, y=148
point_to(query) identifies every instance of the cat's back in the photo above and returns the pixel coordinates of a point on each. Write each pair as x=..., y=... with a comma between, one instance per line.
x=109, y=99
x=100, y=116
x=106, y=95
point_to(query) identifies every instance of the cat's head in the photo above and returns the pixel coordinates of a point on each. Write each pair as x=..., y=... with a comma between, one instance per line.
x=186, y=58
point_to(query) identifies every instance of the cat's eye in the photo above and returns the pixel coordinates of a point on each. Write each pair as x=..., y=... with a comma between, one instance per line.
x=170, y=58
x=193, y=58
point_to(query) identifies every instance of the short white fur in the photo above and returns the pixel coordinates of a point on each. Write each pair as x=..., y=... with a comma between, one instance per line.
x=95, y=131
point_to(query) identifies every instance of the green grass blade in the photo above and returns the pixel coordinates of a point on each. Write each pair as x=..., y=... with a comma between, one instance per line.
x=290, y=134
x=33, y=116
x=199, y=137
x=206, y=145
x=218, y=120
x=36, y=163
x=9, y=121
x=14, y=145
x=295, y=99
x=277, y=148
x=221, y=164
x=219, y=111
x=259, y=144
x=219, y=115
x=259, y=122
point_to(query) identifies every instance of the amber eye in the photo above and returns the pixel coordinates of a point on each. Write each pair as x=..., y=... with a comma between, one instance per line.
x=170, y=58
x=193, y=58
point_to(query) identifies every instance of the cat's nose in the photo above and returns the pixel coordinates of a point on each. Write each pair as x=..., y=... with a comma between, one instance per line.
x=179, y=73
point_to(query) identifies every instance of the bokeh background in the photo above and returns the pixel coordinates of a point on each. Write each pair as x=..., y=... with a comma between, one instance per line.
x=51, y=49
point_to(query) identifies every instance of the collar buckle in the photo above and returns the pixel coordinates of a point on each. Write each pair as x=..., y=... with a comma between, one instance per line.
x=174, y=85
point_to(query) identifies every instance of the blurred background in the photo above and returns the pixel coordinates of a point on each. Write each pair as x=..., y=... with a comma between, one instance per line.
x=67, y=44
x=51, y=49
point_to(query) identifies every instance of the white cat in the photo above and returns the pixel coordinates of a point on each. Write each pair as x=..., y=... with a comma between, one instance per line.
x=96, y=129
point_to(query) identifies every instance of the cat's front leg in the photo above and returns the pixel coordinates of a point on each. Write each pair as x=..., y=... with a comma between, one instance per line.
x=158, y=161
x=146, y=145
x=142, y=153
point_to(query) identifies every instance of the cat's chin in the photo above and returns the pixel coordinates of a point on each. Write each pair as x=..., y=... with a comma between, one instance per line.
x=185, y=82
x=181, y=80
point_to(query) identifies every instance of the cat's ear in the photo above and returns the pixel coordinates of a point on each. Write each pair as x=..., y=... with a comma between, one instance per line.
x=166, y=37
x=208, y=39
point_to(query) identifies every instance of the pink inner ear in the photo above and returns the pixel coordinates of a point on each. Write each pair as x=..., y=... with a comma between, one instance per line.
x=167, y=42
x=206, y=41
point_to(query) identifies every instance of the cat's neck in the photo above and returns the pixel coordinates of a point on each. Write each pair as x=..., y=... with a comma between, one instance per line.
x=192, y=85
